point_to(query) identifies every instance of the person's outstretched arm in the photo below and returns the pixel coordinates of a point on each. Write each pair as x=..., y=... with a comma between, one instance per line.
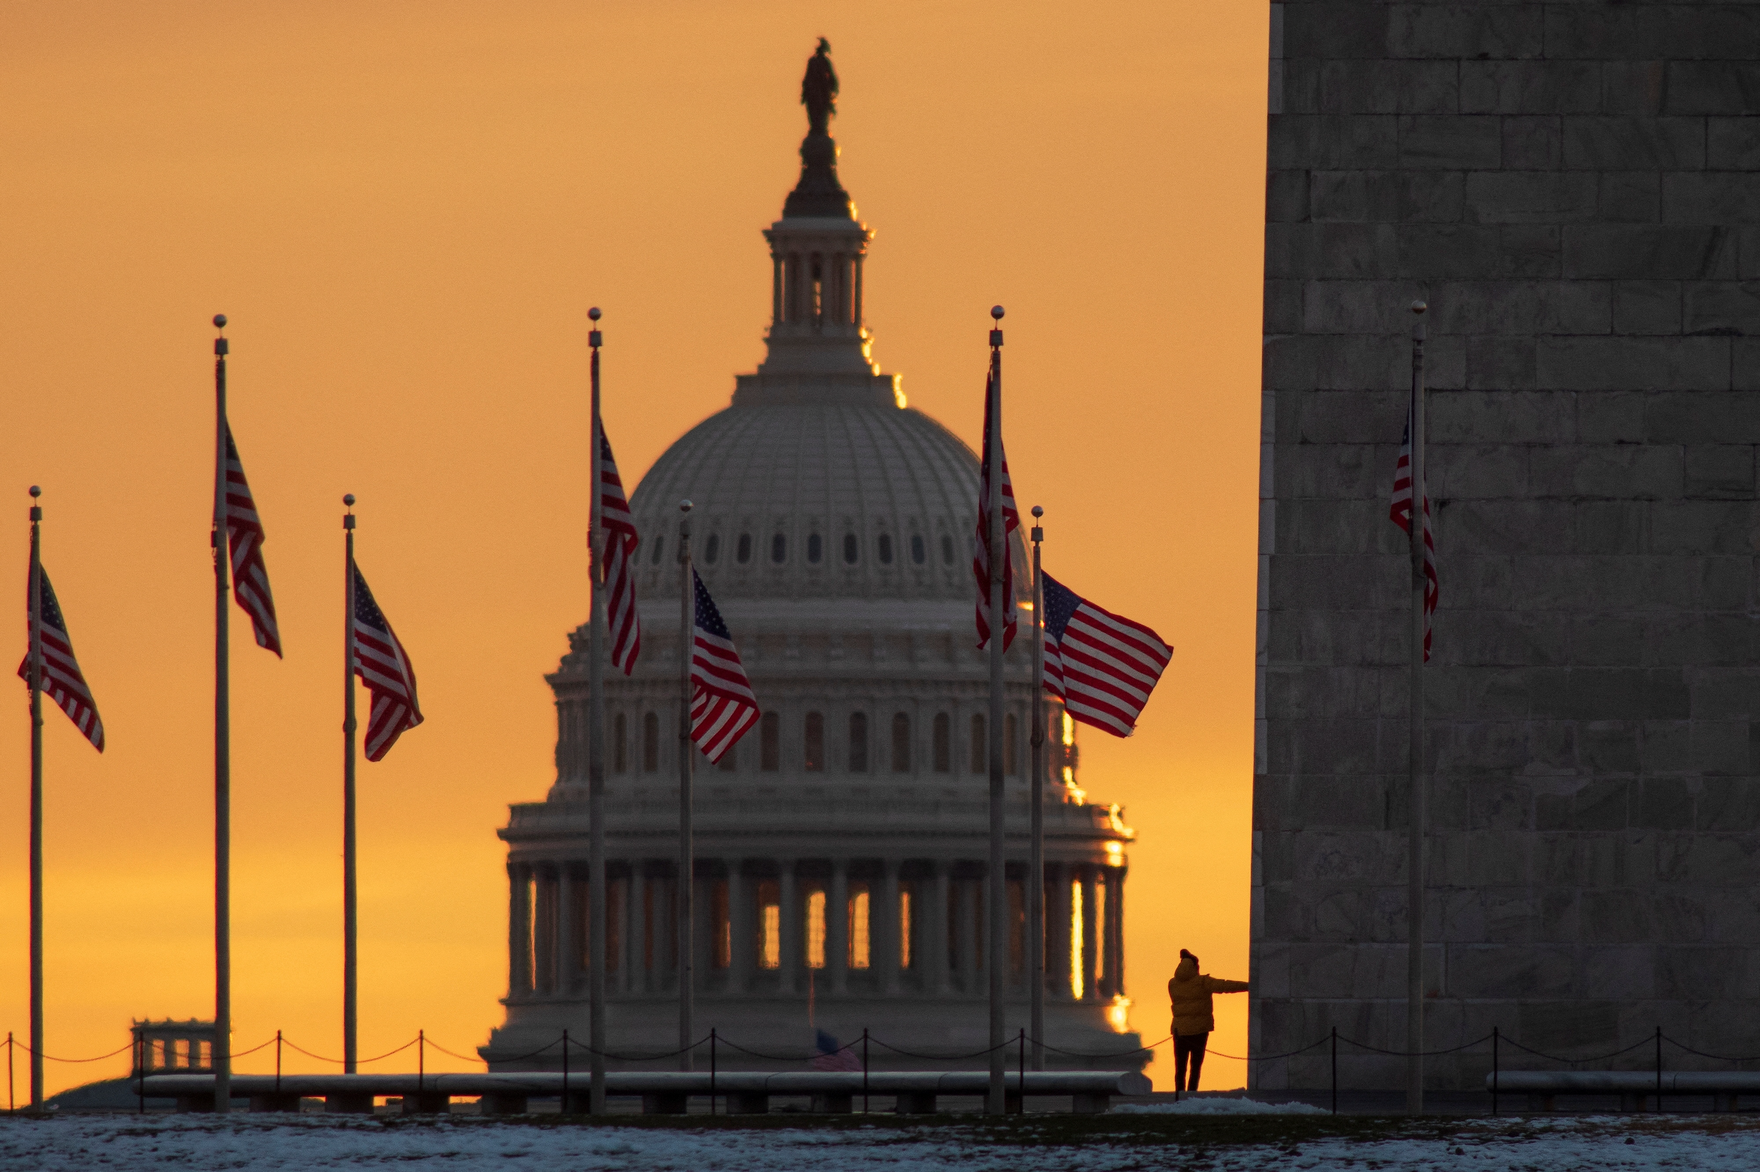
x=1218, y=985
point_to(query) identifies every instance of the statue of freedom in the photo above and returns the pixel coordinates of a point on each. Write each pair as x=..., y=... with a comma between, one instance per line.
x=819, y=90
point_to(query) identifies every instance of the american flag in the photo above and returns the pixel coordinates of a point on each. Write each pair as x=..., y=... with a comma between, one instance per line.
x=722, y=704
x=1401, y=512
x=981, y=548
x=384, y=667
x=621, y=620
x=1101, y=665
x=250, y=577
x=831, y=1056
x=61, y=675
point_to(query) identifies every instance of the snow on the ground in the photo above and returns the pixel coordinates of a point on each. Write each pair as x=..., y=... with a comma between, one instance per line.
x=1217, y=1106
x=121, y=1143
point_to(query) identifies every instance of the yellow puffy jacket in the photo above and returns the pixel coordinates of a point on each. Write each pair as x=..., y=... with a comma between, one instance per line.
x=1190, y=990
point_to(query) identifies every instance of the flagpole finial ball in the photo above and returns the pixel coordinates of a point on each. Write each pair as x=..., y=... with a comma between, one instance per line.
x=1419, y=307
x=996, y=312
x=219, y=321
x=348, y=499
x=594, y=313
x=685, y=506
x=35, y=492
x=1038, y=511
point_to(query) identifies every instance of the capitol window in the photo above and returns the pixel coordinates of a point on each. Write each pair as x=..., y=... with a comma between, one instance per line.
x=849, y=548
x=815, y=549
x=769, y=923
x=918, y=554
x=885, y=546
x=712, y=550
x=744, y=553
x=651, y=743
x=901, y=743
x=778, y=548
x=816, y=928
x=858, y=742
x=815, y=743
x=858, y=951
x=947, y=549
x=943, y=743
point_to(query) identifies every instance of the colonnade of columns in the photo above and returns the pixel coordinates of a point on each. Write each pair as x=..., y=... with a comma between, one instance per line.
x=810, y=287
x=867, y=927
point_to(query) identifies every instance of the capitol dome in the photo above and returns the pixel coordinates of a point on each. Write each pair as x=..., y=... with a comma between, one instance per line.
x=841, y=846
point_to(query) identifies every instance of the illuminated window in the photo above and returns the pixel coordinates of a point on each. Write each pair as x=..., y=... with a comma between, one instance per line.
x=744, y=552
x=980, y=747
x=770, y=743
x=919, y=554
x=815, y=743
x=884, y=547
x=858, y=927
x=1076, y=943
x=815, y=549
x=901, y=743
x=943, y=738
x=720, y=926
x=779, y=549
x=905, y=957
x=712, y=550
x=850, y=548
x=816, y=929
x=770, y=924
x=858, y=742
x=651, y=742
x=619, y=747
x=1100, y=973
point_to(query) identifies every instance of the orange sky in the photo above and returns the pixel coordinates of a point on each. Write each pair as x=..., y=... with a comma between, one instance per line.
x=405, y=209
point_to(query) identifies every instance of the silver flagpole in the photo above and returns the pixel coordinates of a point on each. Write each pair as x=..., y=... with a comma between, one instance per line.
x=222, y=1060
x=1036, y=863
x=36, y=682
x=350, y=922
x=596, y=647
x=686, y=848
x=1415, y=826
x=997, y=912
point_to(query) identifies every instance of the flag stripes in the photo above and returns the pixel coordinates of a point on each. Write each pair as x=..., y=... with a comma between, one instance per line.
x=1401, y=514
x=62, y=680
x=722, y=704
x=1101, y=665
x=384, y=667
x=244, y=530
x=621, y=620
x=981, y=548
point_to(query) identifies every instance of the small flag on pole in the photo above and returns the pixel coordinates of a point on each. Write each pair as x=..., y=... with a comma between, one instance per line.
x=624, y=625
x=61, y=675
x=1401, y=513
x=981, y=549
x=250, y=576
x=384, y=667
x=722, y=704
x=1101, y=665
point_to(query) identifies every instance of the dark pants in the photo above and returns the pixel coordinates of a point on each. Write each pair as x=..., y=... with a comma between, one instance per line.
x=1188, y=1046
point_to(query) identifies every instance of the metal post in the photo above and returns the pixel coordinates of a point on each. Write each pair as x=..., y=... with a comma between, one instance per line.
x=421, y=1066
x=1335, y=1070
x=1659, y=1070
x=864, y=1070
x=222, y=750
x=1495, y=1074
x=596, y=646
x=10, y=1108
x=36, y=830
x=997, y=912
x=712, y=1040
x=278, y=1062
x=1021, y=1071
x=350, y=936
x=140, y=1072
x=1036, y=859
x=1416, y=821
x=563, y=1109
x=686, y=849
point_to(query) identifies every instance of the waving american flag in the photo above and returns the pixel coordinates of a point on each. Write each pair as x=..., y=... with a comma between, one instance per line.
x=244, y=530
x=621, y=620
x=981, y=552
x=383, y=666
x=61, y=675
x=722, y=704
x=1101, y=665
x=1401, y=513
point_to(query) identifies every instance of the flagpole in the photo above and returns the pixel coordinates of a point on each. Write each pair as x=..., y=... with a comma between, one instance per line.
x=596, y=645
x=998, y=885
x=222, y=1060
x=350, y=922
x=686, y=848
x=36, y=682
x=1416, y=821
x=1036, y=863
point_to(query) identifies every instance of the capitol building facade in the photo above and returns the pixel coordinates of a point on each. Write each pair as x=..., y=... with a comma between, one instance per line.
x=840, y=849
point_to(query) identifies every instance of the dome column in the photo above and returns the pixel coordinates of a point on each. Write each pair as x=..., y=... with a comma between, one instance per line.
x=970, y=935
x=519, y=931
x=1090, y=940
x=741, y=927
x=1058, y=952
x=1115, y=932
x=788, y=929
x=567, y=950
x=837, y=927
x=635, y=929
x=936, y=928
x=889, y=939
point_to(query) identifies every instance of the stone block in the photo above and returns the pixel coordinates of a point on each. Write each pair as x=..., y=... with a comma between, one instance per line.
x=1600, y=143
x=1635, y=364
x=1729, y=803
x=1283, y=307
x=1524, y=308
x=1498, y=971
x=1476, y=251
x=1502, y=418
x=1732, y=144
x=1609, y=527
x=1703, y=972
x=1647, y=252
x=1530, y=87
x=1332, y=141
x=1389, y=87
x=1721, y=307
x=1452, y=142
x=1666, y=803
x=1286, y=196
x=1745, y=364
x=1531, y=250
x=1647, y=307
x=1616, y=916
x=1297, y=85
x=1626, y=973
x=1719, y=747
x=1607, y=641
x=1711, y=197
x=1702, y=418
x=1723, y=471
x=1358, y=307
x=1476, y=471
x=1634, y=87
x=1678, y=917
x=1466, y=31
x=1600, y=471
x=1700, y=527
x=1630, y=197
x=1707, y=859
x=1601, y=805
x=1500, y=363
x=1748, y=254
x=1334, y=30
x=1532, y=142
x=1730, y=88
x=1651, y=31
x=1508, y=527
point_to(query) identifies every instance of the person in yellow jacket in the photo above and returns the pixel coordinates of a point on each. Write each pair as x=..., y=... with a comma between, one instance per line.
x=1193, y=1016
